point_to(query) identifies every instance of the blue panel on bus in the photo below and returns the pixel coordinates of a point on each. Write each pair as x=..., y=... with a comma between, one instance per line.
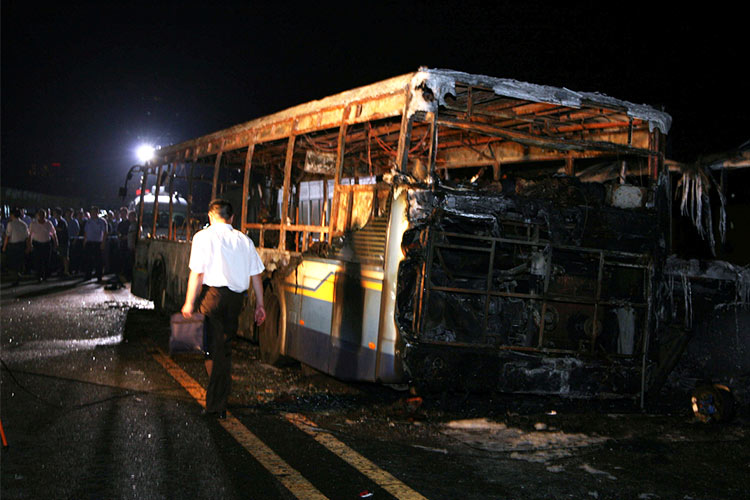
x=351, y=361
x=308, y=346
x=316, y=314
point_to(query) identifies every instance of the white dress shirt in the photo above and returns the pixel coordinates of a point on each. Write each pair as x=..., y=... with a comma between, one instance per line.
x=225, y=257
x=17, y=231
x=41, y=232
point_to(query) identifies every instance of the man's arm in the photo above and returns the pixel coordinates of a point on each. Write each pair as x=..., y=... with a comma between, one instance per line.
x=260, y=311
x=53, y=235
x=195, y=282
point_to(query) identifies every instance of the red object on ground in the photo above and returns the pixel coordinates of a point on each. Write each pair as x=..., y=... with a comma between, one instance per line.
x=2, y=435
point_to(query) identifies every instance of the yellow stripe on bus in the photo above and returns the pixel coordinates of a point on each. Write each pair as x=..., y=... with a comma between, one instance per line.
x=373, y=285
x=285, y=474
x=323, y=268
x=323, y=290
x=320, y=290
x=382, y=478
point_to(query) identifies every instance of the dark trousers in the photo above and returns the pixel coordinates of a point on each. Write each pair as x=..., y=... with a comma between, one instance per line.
x=16, y=253
x=42, y=253
x=221, y=307
x=92, y=254
x=76, y=255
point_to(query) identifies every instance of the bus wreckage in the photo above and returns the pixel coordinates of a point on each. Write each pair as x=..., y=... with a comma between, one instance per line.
x=441, y=229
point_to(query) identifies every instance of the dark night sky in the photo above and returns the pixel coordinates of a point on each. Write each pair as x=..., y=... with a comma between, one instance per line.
x=83, y=84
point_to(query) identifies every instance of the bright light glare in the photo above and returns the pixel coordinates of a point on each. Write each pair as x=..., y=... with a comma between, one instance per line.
x=144, y=152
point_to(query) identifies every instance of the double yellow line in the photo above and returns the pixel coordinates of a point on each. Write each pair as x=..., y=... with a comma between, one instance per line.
x=382, y=478
x=286, y=475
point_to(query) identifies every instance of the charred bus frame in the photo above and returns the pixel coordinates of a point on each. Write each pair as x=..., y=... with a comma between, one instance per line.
x=439, y=191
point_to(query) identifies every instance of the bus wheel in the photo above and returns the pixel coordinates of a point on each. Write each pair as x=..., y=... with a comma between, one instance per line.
x=247, y=328
x=270, y=331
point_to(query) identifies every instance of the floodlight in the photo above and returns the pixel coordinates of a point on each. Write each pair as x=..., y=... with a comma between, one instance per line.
x=144, y=152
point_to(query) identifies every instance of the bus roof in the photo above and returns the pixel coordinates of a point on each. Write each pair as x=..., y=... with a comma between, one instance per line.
x=420, y=91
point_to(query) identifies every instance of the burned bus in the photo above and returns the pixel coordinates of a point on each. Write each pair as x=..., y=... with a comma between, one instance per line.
x=440, y=229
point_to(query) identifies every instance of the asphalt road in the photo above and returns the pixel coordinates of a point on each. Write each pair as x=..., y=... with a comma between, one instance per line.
x=93, y=407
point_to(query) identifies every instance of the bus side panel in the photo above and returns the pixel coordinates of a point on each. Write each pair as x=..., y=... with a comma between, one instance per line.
x=140, y=283
x=355, y=324
x=167, y=257
x=176, y=255
x=292, y=305
x=310, y=294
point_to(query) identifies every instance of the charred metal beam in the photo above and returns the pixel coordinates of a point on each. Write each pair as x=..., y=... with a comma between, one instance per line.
x=286, y=191
x=530, y=140
x=217, y=166
x=246, y=183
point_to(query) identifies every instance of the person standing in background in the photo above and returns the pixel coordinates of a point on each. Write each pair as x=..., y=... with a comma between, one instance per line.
x=94, y=241
x=14, y=244
x=132, y=240
x=25, y=217
x=74, y=243
x=42, y=237
x=63, y=242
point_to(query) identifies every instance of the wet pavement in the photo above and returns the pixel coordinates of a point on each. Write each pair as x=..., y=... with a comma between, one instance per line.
x=92, y=407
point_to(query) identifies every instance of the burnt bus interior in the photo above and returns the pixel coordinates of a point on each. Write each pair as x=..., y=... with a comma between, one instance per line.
x=533, y=225
x=541, y=238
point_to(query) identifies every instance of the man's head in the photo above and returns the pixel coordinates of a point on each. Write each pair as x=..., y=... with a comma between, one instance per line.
x=220, y=210
x=15, y=214
x=95, y=212
x=57, y=211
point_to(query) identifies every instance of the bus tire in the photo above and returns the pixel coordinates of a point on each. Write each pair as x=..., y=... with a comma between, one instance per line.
x=247, y=328
x=270, y=331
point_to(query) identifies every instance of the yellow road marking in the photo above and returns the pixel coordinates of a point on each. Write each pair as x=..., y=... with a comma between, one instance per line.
x=289, y=477
x=384, y=479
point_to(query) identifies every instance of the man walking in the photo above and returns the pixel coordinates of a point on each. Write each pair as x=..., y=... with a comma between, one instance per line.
x=63, y=242
x=94, y=241
x=74, y=242
x=42, y=236
x=223, y=264
x=14, y=244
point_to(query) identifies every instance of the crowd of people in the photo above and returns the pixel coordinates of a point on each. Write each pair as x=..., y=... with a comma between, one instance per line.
x=69, y=243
